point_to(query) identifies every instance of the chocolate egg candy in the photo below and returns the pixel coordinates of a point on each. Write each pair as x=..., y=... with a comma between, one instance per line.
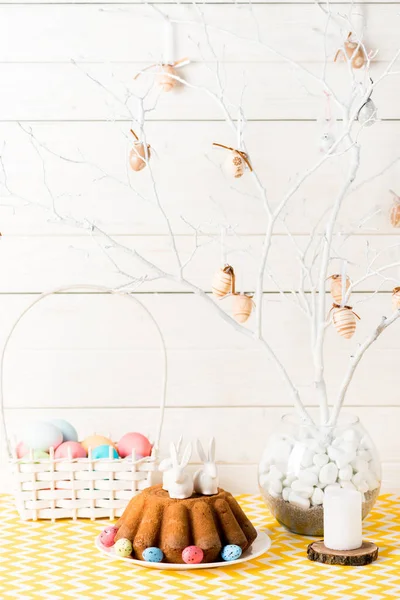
x=231, y=552
x=123, y=547
x=153, y=554
x=107, y=536
x=192, y=555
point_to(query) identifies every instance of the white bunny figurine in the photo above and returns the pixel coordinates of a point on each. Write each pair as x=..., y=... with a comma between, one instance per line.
x=166, y=466
x=206, y=478
x=180, y=483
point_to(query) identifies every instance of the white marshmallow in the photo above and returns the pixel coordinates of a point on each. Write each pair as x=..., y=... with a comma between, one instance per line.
x=360, y=465
x=317, y=497
x=321, y=459
x=307, y=458
x=299, y=500
x=328, y=473
x=346, y=473
x=302, y=488
x=275, y=473
x=275, y=488
x=285, y=493
x=365, y=454
x=290, y=477
x=372, y=481
x=309, y=477
x=359, y=481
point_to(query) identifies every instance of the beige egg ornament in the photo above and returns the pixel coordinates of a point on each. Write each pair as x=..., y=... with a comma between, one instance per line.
x=344, y=320
x=237, y=161
x=354, y=52
x=223, y=282
x=337, y=287
x=395, y=210
x=166, y=73
x=139, y=155
x=396, y=298
x=242, y=306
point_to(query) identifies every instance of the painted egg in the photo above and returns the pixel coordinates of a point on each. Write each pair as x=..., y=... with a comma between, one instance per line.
x=104, y=451
x=123, y=547
x=42, y=436
x=36, y=455
x=231, y=552
x=92, y=441
x=68, y=431
x=134, y=441
x=21, y=450
x=107, y=536
x=70, y=450
x=153, y=554
x=192, y=555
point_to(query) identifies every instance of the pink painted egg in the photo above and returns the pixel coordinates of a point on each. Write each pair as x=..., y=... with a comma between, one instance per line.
x=73, y=449
x=192, y=555
x=107, y=536
x=134, y=441
x=21, y=450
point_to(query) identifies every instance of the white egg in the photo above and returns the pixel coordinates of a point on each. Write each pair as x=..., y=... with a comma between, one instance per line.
x=367, y=114
x=68, y=431
x=41, y=436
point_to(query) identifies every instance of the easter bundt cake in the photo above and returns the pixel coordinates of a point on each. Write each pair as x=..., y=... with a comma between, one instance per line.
x=154, y=519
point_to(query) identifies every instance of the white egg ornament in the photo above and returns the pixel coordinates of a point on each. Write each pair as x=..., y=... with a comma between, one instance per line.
x=237, y=161
x=367, y=115
x=42, y=436
x=326, y=142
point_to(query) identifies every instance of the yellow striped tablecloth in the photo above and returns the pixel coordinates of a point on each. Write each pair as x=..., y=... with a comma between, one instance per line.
x=59, y=560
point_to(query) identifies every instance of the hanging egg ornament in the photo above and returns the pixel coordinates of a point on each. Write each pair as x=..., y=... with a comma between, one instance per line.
x=396, y=298
x=367, y=114
x=236, y=162
x=165, y=78
x=395, y=210
x=223, y=282
x=139, y=155
x=344, y=320
x=354, y=52
x=326, y=141
x=337, y=287
x=241, y=307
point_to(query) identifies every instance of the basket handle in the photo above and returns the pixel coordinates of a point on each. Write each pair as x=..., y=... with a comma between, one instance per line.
x=92, y=288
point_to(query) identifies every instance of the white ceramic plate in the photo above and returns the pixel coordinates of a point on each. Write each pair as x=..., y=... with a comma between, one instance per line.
x=261, y=544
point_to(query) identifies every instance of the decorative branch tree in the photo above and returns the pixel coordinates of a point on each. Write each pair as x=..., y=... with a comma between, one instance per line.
x=354, y=110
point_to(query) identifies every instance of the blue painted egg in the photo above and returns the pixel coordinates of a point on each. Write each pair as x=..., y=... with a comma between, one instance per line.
x=68, y=431
x=153, y=555
x=104, y=451
x=231, y=552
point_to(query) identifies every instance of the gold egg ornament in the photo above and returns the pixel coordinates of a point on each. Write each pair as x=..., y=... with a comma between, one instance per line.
x=337, y=287
x=344, y=320
x=354, y=52
x=237, y=162
x=139, y=155
x=395, y=210
x=396, y=298
x=223, y=282
x=242, y=306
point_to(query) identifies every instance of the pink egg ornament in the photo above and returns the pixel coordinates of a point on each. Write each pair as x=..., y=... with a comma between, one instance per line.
x=107, y=536
x=70, y=449
x=134, y=441
x=192, y=555
x=21, y=450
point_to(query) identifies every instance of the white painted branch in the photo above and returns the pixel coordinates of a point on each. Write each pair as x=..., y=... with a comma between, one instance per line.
x=354, y=361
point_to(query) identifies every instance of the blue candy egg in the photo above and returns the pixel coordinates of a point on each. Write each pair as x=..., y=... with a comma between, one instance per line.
x=231, y=552
x=104, y=451
x=153, y=554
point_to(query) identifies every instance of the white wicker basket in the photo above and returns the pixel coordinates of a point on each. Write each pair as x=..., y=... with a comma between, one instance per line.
x=85, y=487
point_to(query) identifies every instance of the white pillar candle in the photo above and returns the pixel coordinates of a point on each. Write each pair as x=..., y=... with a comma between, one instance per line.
x=342, y=519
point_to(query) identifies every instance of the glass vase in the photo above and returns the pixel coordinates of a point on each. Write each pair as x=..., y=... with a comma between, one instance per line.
x=301, y=462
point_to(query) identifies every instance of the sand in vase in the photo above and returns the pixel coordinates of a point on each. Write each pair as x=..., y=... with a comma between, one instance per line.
x=308, y=521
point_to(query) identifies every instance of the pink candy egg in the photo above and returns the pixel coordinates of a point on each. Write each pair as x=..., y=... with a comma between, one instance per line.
x=75, y=448
x=21, y=450
x=134, y=441
x=192, y=555
x=107, y=536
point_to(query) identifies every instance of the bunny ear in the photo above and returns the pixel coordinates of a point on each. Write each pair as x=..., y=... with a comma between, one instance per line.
x=174, y=455
x=211, y=450
x=178, y=447
x=201, y=452
x=186, y=455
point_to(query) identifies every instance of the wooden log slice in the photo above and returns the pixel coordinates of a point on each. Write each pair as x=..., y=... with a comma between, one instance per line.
x=318, y=552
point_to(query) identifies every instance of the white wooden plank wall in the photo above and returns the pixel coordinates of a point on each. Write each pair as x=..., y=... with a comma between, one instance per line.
x=66, y=69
